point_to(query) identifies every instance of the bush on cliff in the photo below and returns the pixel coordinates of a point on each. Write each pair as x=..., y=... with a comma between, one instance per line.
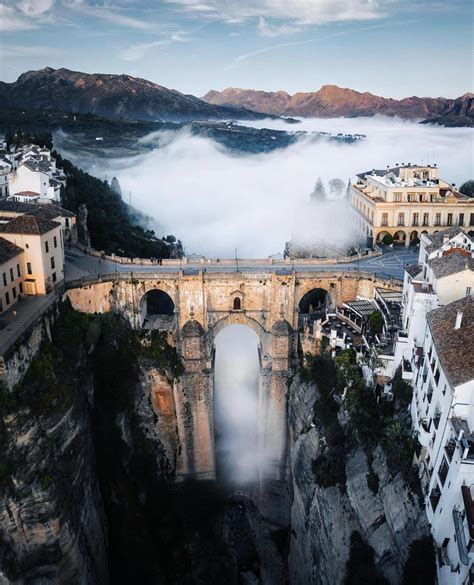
x=420, y=568
x=360, y=568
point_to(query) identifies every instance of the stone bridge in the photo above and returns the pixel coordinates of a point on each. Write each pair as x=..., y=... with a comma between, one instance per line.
x=195, y=307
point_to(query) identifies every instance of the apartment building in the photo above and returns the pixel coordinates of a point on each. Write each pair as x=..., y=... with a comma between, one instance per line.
x=407, y=201
x=43, y=251
x=11, y=274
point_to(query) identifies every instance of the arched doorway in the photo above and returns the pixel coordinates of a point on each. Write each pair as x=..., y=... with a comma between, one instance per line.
x=399, y=237
x=414, y=238
x=156, y=309
x=313, y=305
x=236, y=404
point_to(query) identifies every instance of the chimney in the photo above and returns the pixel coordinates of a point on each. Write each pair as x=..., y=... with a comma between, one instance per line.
x=457, y=325
x=445, y=238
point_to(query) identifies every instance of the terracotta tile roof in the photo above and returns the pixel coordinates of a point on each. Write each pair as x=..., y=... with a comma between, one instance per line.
x=454, y=346
x=50, y=211
x=27, y=193
x=450, y=264
x=28, y=224
x=8, y=250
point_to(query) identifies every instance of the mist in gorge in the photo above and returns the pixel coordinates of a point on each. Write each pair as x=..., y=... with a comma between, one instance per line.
x=217, y=201
x=236, y=404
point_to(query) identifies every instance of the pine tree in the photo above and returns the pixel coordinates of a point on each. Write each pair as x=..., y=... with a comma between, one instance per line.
x=319, y=192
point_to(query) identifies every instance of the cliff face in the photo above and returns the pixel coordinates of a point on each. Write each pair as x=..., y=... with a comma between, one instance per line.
x=332, y=101
x=52, y=523
x=323, y=518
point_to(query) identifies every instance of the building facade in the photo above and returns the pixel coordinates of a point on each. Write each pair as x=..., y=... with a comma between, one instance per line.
x=407, y=201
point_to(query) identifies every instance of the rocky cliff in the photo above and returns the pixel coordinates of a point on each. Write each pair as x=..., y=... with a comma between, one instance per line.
x=332, y=101
x=118, y=96
x=323, y=519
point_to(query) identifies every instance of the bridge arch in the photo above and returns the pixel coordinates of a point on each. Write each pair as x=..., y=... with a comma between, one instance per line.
x=237, y=318
x=156, y=305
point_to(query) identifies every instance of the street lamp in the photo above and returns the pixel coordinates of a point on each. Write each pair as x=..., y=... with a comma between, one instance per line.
x=236, y=260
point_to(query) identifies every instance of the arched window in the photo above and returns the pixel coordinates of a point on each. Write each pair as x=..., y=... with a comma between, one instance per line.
x=237, y=304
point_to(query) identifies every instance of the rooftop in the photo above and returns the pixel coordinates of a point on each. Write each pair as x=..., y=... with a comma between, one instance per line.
x=438, y=238
x=413, y=269
x=8, y=250
x=454, y=346
x=28, y=224
x=28, y=194
x=450, y=264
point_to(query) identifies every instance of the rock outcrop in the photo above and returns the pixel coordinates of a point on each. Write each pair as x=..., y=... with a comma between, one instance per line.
x=323, y=519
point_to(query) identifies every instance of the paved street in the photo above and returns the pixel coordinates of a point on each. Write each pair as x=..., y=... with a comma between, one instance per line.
x=391, y=264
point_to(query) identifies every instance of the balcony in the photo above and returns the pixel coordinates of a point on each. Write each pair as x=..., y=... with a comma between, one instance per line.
x=469, y=508
x=465, y=439
x=458, y=518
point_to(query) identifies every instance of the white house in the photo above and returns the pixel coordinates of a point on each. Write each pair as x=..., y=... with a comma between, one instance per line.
x=443, y=418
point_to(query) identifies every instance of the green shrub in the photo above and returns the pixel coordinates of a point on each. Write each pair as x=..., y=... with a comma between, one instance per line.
x=387, y=240
x=360, y=568
x=329, y=468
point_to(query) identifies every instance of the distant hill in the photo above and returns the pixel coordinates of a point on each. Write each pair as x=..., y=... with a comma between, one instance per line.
x=109, y=95
x=332, y=101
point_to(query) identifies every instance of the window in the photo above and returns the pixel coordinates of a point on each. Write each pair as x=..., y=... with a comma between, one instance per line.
x=437, y=219
x=426, y=219
x=18, y=271
x=450, y=219
x=461, y=219
x=28, y=268
x=20, y=286
x=471, y=219
x=54, y=276
x=468, y=290
x=67, y=221
x=443, y=471
x=384, y=218
x=46, y=246
x=397, y=197
x=4, y=279
x=401, y=219
x=55, y=240
x=7, y=298
x=415, y=219
x=12, y=278
x=52, y=262
x=237, y=304
x=14, y=292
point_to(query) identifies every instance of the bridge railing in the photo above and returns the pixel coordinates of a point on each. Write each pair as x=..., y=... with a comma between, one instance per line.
x=203, y=261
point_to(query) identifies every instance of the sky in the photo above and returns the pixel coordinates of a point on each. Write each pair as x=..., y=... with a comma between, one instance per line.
x=394, y=48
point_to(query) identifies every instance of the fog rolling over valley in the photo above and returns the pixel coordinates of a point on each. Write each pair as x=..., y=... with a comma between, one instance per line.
x=216, y=201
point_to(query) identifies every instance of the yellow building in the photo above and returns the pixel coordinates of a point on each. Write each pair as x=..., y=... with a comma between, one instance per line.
x=407, y=201
x=11, y=274
x=43, y=251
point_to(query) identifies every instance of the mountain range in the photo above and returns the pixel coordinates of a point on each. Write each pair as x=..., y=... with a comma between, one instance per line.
x=124, y=96
x=109, y=95
x=332, y=101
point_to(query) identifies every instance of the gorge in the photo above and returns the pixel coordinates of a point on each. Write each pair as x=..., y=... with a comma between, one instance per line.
x=115, y=408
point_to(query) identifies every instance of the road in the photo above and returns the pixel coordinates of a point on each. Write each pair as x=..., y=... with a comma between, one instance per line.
x=390, y=264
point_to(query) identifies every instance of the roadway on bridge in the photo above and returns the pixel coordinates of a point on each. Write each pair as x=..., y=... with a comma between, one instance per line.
x=390, y=264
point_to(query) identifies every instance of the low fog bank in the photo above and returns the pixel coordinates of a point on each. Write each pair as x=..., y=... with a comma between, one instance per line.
x=216, y=201
x=236, y=404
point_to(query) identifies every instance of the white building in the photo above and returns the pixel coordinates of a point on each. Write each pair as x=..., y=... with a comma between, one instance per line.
x=443, y=418
x=445, y=273
x=34, y=172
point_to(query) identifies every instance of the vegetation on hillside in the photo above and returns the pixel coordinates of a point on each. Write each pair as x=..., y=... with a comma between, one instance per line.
x=113, y=225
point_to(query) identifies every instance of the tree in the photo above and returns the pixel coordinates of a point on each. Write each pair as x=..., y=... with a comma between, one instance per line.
x=319, y=192
x=420, y=568
x=376, y=323
x=335, y=187
x=467, y=188
x=9, y=138
x=387, y=240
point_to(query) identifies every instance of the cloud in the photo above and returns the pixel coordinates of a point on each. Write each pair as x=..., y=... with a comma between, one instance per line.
x=110, y=13
x=11, y=20
x=302, y=12
x=137, y=52
x=269, y=31
x=269, y=49
x=35, y=7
